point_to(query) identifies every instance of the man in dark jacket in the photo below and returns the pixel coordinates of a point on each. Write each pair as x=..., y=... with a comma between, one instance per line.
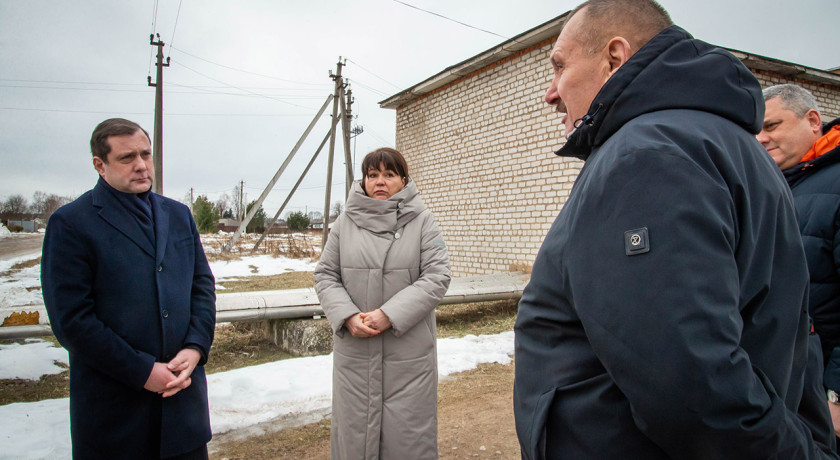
x=131, y=297
x=808, y=153
x=666, y=312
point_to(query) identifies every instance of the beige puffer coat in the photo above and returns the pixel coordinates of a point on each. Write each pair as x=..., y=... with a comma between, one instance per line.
x=386, y=254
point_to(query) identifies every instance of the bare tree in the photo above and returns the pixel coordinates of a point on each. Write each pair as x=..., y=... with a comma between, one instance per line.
x=237, y=203
x=336, y=210
x=222, y=205
x=43, y=204
x=314, y=215
x=15, y=207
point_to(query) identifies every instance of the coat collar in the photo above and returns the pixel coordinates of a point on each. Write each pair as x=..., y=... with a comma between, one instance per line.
x=112, y=212
x=384, y=216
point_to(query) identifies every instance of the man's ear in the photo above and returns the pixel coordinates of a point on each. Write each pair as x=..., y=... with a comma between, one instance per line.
x=618, y=52
x=99, y=165
x=814, y=121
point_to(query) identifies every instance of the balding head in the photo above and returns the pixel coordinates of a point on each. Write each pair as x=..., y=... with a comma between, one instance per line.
x=597, y=39
x=635, y=20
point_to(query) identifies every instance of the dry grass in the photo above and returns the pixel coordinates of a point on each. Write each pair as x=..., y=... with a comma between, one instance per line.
x=25, y=264
x=479, y=318
x=291, y=280
x=239, y=345
x=293, y=245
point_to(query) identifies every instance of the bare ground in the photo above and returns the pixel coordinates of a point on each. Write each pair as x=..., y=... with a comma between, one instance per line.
x=475, y=420
x=20, y=244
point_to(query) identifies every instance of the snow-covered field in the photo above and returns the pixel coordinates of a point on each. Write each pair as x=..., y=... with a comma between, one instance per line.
x=288, y=392
x=20, y=289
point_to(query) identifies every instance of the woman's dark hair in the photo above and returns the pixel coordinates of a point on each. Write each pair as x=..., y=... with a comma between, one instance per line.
x=388, y=157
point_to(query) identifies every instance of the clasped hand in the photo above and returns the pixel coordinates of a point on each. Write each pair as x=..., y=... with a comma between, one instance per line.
x=169, y=378
x=364, y=325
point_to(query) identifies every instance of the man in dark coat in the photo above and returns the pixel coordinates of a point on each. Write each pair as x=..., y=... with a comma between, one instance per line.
x=131, y=297
x=808, y=153
x=666, y=312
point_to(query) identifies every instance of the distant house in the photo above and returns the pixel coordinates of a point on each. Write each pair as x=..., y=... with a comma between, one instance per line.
x=27, y=225
x=228, y=225
x=479, y=140
x=318, y=224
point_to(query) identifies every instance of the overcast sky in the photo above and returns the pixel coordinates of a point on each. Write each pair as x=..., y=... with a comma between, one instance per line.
x=247, y=77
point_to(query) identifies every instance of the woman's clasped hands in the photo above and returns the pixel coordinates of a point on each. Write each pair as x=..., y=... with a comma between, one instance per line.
x=365, y=325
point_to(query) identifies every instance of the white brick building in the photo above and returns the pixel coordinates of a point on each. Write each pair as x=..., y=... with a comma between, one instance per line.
x=480, y=142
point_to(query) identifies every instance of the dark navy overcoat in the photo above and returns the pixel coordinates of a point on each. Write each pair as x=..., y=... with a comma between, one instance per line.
x=666, y=315
x=118, y=304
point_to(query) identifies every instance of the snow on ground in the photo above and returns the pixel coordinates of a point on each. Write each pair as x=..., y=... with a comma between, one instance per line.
x=20, y=289
x=263, y=265
x=14, y=295
x=31, y=360
x=239, y=399
x=4, y=232
x=289, y=392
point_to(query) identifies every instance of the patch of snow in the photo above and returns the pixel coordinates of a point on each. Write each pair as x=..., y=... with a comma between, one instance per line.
x=283, y=391
x=31, y=360
x=264, y=265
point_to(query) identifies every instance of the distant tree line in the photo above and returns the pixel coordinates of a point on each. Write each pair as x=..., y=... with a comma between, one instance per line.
x=17, y=207
x=228, y=206
x=207, y=215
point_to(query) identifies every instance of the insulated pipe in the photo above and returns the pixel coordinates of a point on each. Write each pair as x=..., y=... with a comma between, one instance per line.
x=303, y=303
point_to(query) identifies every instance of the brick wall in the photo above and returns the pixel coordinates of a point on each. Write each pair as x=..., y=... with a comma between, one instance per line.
x=481, y=151
x=828, y=97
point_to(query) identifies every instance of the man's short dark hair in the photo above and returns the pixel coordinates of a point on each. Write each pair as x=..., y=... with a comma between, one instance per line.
x=636, y=20
x=99, y=145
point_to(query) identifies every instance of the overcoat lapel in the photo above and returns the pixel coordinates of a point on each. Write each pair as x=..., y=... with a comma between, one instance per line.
x=118, y=217
x=161, y=215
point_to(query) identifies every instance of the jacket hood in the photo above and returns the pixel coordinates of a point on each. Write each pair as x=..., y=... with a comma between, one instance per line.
x=384, y=216
x=672, y=71
x=805, y=169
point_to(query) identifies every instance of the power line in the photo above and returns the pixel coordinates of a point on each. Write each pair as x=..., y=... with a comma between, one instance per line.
x=371, y=89
x=154, y=20
x=453, y=20
x=203, y=88
x=174, y=114
x=70, y=82
x=375, y=75
x=177, y=15
x=70, y=111
x=242, y=89
x=251, y=73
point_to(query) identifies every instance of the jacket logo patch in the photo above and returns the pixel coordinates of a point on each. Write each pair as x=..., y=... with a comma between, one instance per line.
x=636, y=241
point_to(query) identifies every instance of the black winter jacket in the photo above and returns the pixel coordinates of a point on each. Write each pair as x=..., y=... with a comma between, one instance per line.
x=816, y=193
x=666, y=312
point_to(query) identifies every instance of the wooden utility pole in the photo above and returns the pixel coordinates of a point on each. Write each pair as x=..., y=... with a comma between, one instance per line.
x=157, y=150
x=338, y=95
x=347, y=110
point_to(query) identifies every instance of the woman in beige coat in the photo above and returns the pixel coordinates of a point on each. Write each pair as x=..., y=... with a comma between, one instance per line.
x=382, y=273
